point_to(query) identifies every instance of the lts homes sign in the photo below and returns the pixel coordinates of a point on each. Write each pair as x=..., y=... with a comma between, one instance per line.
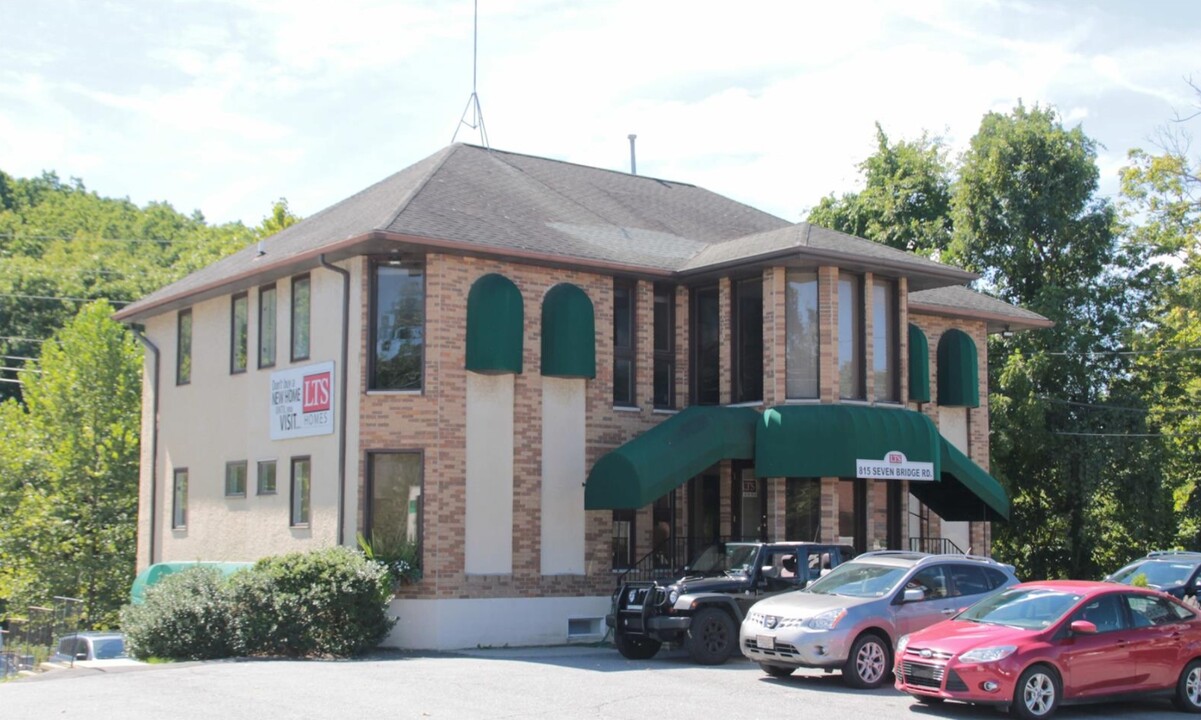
x=302, y=401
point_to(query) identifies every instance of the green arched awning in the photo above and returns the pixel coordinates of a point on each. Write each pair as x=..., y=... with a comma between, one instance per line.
x=919, y=365
x=568, y=333
x=666, y=456
x=958, y=380
x=828, y=440
x=966, y=491
x=495, y=323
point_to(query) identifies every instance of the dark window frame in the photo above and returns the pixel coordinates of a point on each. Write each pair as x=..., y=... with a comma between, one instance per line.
x=694, y=348
x=894, y=347
x=625, y=516
x=626, y=353
x=859, y=322
x=274, y=345
x=664, y=358
x=234, y=369
x=369, y=492
x=292, y=339
x=738, y=338
x=292, y=495
x=372, y=319
x=182, y=378
x=233, y=492
x=179, y=499
x=810, y=275
x=259, y=488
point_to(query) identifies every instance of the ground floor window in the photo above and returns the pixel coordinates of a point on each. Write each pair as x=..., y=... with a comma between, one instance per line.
x=266, y=477
x=301, y=482
x=623, y=539
x=852, y=513
x=393, y=513
x=803, y=509
x=179, y=499
x=235, y=479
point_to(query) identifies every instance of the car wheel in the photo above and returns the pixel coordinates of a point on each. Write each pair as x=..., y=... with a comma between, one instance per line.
x=1188, y=688
x=777, y=671
x=1037, y=693
x=712, y=637
x=869, y=662
x=636, y=648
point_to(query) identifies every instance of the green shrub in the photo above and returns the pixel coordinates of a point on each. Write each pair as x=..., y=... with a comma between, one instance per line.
x=395, y=552
x=185, y=616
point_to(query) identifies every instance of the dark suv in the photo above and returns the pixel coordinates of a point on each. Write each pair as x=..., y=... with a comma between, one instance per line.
x=702, y=610
x=1176, y=572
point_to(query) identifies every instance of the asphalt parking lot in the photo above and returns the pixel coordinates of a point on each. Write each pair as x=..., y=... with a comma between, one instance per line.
x=564, y=682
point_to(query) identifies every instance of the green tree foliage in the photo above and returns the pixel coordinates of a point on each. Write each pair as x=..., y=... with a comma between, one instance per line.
x=280, y=218
x=69, y=481
x=906, y=200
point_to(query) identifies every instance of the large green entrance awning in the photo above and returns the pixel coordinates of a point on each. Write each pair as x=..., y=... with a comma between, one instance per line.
x=828, y=440
x=966, y=491
x=666, y=456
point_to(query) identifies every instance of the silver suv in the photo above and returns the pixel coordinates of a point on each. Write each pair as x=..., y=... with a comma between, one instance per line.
x=851, y=617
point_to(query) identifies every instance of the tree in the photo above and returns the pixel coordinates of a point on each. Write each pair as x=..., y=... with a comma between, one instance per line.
x=906, y=199
x=280, y=218
x=69, y=483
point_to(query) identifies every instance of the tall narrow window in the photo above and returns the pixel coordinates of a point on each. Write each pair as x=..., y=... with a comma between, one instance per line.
x=850, y=337
x=300, y=317
x=267, y=326
x=183, y=348
x=803, y=344
x=623, y=343
x=179, y=499
x=394, y=510
x=397, y=326
x=665, y=347
x=748, y=339
x=885, y=349
x=235, y=479
x=239, y=333
x=301, y=479
x=803, y=509
x=266, y=477
x=623, y=539
x=706, y=347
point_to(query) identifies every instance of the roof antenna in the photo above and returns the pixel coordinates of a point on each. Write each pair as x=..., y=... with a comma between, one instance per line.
x=633, y=165
x=473, y=103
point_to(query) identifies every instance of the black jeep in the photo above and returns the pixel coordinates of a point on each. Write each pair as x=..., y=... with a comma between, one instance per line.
x=703, y=609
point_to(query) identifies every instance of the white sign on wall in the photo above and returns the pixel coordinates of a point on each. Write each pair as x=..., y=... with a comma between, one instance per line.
x=302, y=401
x=894, y=466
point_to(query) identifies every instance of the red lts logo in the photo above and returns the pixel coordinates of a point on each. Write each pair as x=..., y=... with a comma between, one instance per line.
x=896, y=458
x=317, y=392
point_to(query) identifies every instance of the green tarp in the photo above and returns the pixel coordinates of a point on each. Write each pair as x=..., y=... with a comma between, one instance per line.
x=158, y=571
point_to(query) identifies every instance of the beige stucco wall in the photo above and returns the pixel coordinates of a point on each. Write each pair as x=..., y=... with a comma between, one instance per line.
x=488, y=538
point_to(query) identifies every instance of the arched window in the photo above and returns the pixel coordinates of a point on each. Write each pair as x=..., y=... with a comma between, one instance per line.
x=495, y=321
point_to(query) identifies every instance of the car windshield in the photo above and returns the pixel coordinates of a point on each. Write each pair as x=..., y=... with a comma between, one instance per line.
x=108, y=648
x=859, y=579
x=725, y=558
x=1029, y=608
x=1160, y=573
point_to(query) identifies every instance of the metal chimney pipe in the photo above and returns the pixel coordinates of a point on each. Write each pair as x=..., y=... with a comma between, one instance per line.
x=633, y=164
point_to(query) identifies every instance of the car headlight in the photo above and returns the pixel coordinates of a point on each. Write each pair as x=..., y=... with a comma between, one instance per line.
x=988, y=654
x=902, y=643
x=826, y=621
x=673, y=596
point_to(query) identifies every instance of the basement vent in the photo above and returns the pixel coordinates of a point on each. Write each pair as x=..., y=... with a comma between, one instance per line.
x=580, y=628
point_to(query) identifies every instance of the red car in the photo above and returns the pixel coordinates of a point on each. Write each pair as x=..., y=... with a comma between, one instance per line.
x=1034, y=646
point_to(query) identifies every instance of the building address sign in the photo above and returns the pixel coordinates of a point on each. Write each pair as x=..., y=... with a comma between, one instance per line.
x=894, y=466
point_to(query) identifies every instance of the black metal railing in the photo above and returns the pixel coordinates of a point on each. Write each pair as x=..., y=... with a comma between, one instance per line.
x=934, y=545
x=29, y=639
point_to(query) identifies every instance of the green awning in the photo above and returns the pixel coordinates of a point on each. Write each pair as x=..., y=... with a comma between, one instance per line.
x=958, y=379
x=568, y=333
x=966, y=491
x=156, y=572
x=495, y=325
x=919, y=365
x=666, y=456
x=827, y=440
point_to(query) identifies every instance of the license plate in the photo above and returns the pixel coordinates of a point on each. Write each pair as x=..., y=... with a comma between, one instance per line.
x=925, y=672
x=765, y=642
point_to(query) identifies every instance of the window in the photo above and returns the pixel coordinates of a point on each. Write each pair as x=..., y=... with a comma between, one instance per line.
x=706, y=347
x=885, y=349
x=623, y=539
x=394, y=499
x=747, y=314
x=239, y=329
x=266, y=480
x=850, y=337
x=623, y=343
x=300, y=317
x=397, y=326
x=1105, y=612
x=179, y=499
x=235, y=479
x=803, y=509
x=267, y=326
x=1148, y=610
x=932, y=581
x=301, y=479
x=969, y=580
x=183, y=348
x=803, y=345
x=664, y=393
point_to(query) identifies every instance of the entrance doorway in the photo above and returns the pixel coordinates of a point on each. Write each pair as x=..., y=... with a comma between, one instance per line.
x=748, y=504
x=704, y=512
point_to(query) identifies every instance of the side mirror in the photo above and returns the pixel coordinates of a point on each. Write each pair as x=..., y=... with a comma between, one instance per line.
x=81, y=656
x=1082, y=627
x=914, y=595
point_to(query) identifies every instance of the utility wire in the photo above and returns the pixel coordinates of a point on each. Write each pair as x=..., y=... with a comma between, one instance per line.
x=61, y=297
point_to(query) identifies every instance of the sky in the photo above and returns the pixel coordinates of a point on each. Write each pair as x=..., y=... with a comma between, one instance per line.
x=225, y=106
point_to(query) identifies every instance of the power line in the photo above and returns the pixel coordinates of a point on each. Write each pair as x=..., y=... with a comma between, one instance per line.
x=1127, y=435
x=60, y=297
x=86, y=238
x=1104, y=353
x=14, y=338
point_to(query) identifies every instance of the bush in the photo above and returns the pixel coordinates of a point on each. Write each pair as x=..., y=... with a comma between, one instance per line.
x=327, y=602
x=186, y=616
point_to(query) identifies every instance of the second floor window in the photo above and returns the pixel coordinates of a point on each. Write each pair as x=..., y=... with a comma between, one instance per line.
x=624, y=381
x=183, y=348
x=803, y=341
x=664, y=392
x=398, y=326
x=267, y=326
x=179, y=499
x=850, y=337
x=747, y=335
x=300, y=317
x=885, y=349
x=239, y=333
x=706, y=347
